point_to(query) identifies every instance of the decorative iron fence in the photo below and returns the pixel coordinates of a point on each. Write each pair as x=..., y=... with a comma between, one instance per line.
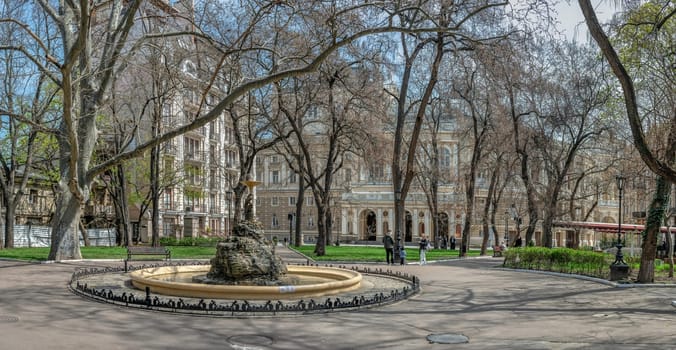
x=239, y=308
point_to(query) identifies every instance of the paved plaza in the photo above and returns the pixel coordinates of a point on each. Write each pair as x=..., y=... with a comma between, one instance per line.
x=468, y=299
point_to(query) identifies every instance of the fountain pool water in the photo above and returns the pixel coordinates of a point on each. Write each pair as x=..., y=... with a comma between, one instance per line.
x=303, y=281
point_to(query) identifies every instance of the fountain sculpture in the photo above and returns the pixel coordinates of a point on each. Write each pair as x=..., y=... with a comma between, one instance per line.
x=246, y=257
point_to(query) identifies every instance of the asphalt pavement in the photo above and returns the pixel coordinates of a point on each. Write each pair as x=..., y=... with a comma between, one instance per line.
x=464, y=304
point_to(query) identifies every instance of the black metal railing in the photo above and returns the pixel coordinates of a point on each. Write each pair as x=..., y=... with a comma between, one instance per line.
x=241, y=307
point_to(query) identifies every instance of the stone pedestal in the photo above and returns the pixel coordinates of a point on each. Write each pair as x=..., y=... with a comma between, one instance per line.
x=619, y=272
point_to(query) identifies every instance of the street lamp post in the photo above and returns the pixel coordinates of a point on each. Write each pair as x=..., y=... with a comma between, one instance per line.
x=619, y=269
x=291, y=215
x=228, y=197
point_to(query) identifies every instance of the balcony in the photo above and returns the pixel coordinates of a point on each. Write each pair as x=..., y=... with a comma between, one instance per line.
x=194, y=156
x=194, y=208
x=169, y=148
x=201, y=131
x=171, y=206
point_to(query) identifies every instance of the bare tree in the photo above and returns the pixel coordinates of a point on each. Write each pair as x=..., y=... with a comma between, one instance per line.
x=431, y=174
x=338, y=127
x=403, y=157
x=474, y=90
x=25, y=104
x=658, y=24
x=569, y=119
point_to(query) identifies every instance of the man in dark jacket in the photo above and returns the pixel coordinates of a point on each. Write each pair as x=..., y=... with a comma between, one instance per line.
x=388, y=242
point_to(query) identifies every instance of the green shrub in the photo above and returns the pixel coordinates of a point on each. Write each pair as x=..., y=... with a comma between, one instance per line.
x=564, y=260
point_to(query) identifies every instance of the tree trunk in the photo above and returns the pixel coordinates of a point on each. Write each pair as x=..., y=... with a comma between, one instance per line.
x=320, y=247
x=85, y=235
x=660, y=202
x=10, y=211
x=469, y=213
x=65, y=224
x=122, y=207
x=298, y=239
x=329, y=228
x=155, y=196
x=484, y=238
x=547, y=226
x=489, y=216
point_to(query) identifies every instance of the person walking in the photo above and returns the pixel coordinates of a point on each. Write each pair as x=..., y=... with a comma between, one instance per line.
x=388, y=243
x=424, y=245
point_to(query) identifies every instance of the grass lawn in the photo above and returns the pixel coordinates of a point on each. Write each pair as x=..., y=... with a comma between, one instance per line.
x=375, y=254
x=333, y=253
x=177, y=252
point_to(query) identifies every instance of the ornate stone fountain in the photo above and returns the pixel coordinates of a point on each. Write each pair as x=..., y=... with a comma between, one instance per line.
x=246, y=257
x=246, y=267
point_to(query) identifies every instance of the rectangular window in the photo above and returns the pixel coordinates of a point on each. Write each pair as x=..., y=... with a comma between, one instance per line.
x=193, y=175
x=292, y=178
x=275, y=221
x=213, y=154
x=445, y=161
x=168, y=198
x=274, y=201
x=33, y=197
x=292, y=201
x=275, y=176
x=310, y=221
x=193, y=200
x=192, y=148
x=309, y=201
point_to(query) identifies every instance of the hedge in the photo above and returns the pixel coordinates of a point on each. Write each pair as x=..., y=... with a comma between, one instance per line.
x=563, y=260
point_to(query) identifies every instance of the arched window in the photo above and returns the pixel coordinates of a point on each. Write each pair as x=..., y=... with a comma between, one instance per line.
x=445, y=161
x=275, y=222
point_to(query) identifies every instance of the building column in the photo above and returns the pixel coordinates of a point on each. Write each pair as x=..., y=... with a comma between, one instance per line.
x=415, y=233
x=455, y=159
x=379, y=223
x=343, y=221
x=355, y=223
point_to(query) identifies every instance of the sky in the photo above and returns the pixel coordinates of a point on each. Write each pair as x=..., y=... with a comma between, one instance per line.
x=572, y=20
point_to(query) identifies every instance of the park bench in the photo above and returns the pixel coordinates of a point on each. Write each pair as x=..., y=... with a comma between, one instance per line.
x=145, y=250
x=497, y=251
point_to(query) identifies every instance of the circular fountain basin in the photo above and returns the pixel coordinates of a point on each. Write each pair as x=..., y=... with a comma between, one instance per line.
x=169, y=280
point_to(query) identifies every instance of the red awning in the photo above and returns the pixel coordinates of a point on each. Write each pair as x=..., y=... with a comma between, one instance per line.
x=606, y=227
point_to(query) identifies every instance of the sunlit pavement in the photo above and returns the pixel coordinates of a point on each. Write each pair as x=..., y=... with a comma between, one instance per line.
x=469, y=302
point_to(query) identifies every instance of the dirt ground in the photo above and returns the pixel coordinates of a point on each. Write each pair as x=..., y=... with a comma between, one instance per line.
x=661, y=276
